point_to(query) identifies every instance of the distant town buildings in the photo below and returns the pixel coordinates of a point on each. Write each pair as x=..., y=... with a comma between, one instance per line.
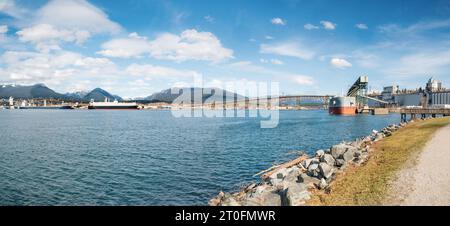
x=434, y=94
x=434, y=85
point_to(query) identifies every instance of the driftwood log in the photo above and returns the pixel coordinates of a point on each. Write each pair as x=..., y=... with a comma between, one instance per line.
x=268, y=172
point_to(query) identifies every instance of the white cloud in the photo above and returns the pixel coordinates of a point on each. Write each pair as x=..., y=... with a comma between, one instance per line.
x=3, y=29
x=366, y=60
x=45, y=33
x=10, y=8
x=71, y=21
x=179, y=17
x=76, y=15
x=420, y=64
x=248, y=66
x=395, y=29
x=88, y=62
x=292, y=49
x=362, y=26
x=276, y=62
x=340, y=63
x=3, y=36
x=328, y=25
x=209, y=19
x=149, y=71
x=132, y=46
x=278, y=21
x=303, y=80
x=189, y=45
x=61, y=68
x=268, y=37
x=407, y=53
x=310, y=27
x=272, y=61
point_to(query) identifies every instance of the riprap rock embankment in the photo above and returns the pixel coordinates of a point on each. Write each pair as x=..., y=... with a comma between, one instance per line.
x=292, y=183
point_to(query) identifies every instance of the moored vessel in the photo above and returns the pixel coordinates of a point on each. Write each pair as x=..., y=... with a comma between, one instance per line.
x=115, y=105
x=27, y=106
x=342, y=106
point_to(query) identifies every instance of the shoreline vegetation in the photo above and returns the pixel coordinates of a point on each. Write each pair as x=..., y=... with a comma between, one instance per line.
x=349, y=173
x=370, y=183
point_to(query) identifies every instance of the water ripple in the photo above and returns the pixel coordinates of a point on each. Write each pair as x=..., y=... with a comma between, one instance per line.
x=149, y=157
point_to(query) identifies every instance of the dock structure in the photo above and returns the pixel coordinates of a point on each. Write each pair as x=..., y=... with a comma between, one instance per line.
x=423, y=112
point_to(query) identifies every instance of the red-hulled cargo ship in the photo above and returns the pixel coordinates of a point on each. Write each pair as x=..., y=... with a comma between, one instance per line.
x=342, y=106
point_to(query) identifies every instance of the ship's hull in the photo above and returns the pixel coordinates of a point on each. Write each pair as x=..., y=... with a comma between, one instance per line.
x=342, y=106
x=46, y=108
x=113, y=107
x=342, y=110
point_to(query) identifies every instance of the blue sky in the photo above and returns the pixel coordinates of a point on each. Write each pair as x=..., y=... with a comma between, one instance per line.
x=135, y=48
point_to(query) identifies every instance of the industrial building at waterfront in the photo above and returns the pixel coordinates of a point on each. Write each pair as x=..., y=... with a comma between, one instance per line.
x=434, y=94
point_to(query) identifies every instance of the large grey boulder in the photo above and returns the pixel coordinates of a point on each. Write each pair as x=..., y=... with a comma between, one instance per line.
x=349, y=154
x=271, y=199
x=340, y=162
x=322, y=184
x=328, y=159
x=313, y=170
x=305, y=163
x=278, y=176
x=338, y=150
x=297, y=194
x=292, y=174
x=264, y=195
x=357, y=143
x=275, y=181
x=387, y=133
x=230, y=201
x=216, y=200
x=283, y=174
x=320, y=153
x=367, y=139
x=378, y=136
x=307, y=180
x=326, y=170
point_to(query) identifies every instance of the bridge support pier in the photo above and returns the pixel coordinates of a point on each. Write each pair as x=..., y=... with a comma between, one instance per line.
x=403, y=117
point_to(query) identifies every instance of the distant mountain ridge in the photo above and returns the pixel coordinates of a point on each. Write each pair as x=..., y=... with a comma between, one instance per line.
x=76, y=95
x=186, y=95
x=99, y=95
x=29, y=92
x=42, y=91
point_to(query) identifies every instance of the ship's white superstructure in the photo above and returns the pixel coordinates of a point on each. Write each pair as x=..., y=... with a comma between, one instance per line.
x=112, y=105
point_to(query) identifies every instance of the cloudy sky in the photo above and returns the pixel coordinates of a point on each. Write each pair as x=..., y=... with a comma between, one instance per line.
x=134, y=48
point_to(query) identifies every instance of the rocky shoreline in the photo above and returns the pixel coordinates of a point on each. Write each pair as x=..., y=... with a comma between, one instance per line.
x=292, y=183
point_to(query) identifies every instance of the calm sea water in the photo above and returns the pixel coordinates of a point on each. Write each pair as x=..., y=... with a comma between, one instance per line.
x=56, y=157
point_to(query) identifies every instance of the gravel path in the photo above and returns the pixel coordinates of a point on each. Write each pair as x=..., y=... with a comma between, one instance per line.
x=427, y=181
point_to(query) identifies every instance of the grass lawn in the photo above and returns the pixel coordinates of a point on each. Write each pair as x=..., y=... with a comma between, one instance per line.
x=369, y=184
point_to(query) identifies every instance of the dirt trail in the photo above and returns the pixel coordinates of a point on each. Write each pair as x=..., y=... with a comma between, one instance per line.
x=427, y=180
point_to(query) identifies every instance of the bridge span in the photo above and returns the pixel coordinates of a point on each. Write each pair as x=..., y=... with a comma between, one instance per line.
x=281, y=101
